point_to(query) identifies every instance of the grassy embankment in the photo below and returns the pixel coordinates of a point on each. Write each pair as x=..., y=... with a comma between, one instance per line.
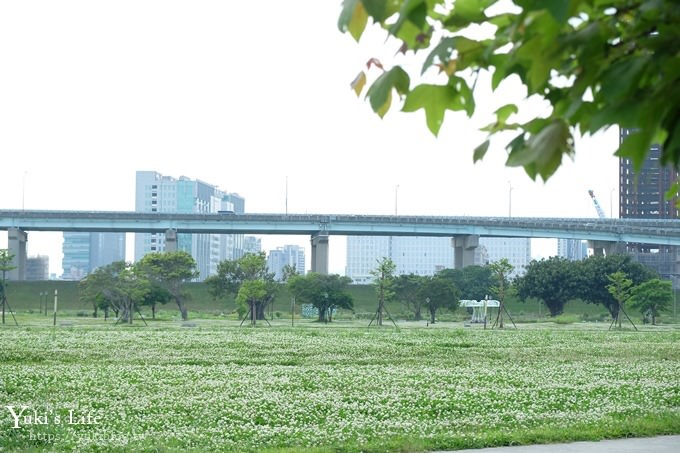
x=24, y=297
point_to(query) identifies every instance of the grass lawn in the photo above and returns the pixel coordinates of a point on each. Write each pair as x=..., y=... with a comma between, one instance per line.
x=209, y=385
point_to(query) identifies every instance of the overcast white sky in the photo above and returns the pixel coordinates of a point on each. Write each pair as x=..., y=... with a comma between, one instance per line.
x=243, y=95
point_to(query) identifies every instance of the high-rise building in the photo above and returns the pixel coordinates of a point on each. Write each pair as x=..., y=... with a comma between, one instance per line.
x=516, y=250
x=158, y=193
x=252, y=244
x=572, y=249
x=426, y=255
x=38, y=267
x=84, y=252
x=288, y=255
x=642, y=195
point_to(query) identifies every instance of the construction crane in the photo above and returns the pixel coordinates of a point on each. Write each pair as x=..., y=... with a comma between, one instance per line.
x=598, y=208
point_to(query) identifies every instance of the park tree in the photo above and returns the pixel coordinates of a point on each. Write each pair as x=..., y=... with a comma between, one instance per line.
x=6, y=265
x=383, y=280
x=156, y=294
x=407, y=289
x=170, y=271
x=652, y=297
x=620, y=289
x=116, y=286
x=474, y=282
x=593, y=64
x=551, y=280
x=325, y=292
x=231, y=274
x=288, y=272
x=251, y=294
x=501, y=271
x=592, y=274
x=439, y=293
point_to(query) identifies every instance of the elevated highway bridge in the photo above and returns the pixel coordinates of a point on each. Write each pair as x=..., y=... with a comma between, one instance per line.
x=603, y=235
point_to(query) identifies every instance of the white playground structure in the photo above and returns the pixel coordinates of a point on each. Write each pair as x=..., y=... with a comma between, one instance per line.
x=479, y=307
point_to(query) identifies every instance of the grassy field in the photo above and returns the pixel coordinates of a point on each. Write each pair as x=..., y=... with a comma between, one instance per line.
x=210, y=385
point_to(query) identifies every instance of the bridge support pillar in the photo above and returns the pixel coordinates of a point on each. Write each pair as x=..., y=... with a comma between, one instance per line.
x=170, y=240
x=607, y=248
x=464, y=250
x=320, y=253
x=16, y=245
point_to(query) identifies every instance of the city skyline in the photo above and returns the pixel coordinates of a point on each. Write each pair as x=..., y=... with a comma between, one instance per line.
x=275, y=121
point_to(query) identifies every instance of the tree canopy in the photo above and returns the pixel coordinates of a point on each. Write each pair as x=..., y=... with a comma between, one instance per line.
x=652, y=297
x=324, y=292
x=554, y=281
x=233, y=274
x=595, y=63
x=170, y=270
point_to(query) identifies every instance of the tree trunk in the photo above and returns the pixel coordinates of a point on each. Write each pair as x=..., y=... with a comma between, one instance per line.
x=153, y=311
x=253, y=313
x=94, y=315
x=500, y=315
x=106, y=313
x=260, y=309
x=419, y=316
x=432, y=315
x=182, y=309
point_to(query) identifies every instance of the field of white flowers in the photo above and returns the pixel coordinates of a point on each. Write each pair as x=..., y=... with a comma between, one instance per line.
x=329, y=389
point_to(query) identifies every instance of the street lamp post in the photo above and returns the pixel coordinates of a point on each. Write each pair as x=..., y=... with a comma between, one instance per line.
x=509, y=199
x=396, y=198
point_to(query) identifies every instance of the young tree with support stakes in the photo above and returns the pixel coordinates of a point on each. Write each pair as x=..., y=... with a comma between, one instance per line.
x=620, y=289
x=6, y=259
x=384, y=279
x=501, y=269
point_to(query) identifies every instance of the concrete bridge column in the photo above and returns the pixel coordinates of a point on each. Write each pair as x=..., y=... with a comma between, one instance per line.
x=170, y=240
x=464, y=250
x=16, y=245
x=320, y=253
x=607, y=248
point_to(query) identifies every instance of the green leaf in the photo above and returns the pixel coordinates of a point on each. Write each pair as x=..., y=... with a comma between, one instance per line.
x=543, y=152
x=380, y=10
x=466, y=12
x=621, y=78
x=480, y=151
x=435, y=100
x=380, y=91
x=353, y=18
x=440, y=54
x=635, y=147
x=558, y=9
x=359, y=82
x=504, y=112
x=414, y=11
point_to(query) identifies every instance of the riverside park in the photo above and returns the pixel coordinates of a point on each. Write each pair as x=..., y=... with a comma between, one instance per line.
x=78, y=383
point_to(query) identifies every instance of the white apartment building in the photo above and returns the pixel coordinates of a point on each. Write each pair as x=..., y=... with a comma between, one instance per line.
x=426, y=255
x=158, y=193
